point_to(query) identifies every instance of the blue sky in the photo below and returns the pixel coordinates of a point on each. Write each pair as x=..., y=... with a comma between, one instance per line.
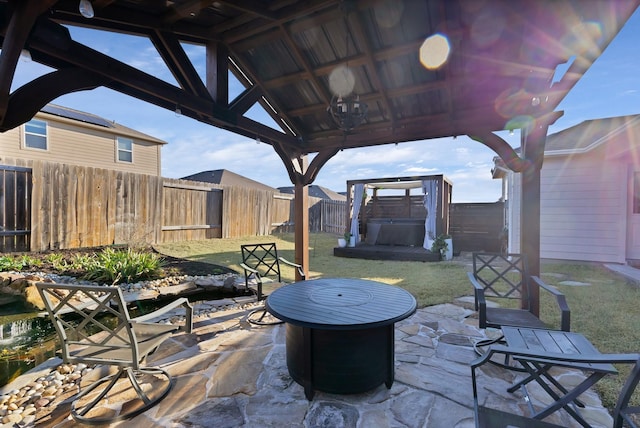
x=609, y=88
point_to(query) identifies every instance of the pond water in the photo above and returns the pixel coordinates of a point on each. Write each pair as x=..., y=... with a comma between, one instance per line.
x=26, y=340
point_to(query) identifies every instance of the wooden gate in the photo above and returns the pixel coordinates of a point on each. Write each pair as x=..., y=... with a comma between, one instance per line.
x=15, y=208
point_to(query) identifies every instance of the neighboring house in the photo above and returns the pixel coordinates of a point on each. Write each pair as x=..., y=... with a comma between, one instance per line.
x=63, y=135
x=590, y=193
x=317, y=192
x=228, y=178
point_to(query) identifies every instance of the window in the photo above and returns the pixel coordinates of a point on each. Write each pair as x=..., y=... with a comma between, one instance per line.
x=125, y=150
x=35, y=134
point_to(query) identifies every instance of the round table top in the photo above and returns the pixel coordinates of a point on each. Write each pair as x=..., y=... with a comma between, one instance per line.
x=340, y=303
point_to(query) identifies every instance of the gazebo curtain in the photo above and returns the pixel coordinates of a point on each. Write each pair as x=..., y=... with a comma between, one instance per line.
x=430, y=190
x=358, y=192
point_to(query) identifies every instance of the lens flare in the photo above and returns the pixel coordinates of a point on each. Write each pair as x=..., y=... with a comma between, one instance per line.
x=388, y=13
x=342, y=81
x=520, y=122
x=487, y=28
x=435, y=51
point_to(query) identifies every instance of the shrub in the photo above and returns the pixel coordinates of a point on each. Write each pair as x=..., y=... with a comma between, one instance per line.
x=11, y=263
x=58, y=261
x=122, y=266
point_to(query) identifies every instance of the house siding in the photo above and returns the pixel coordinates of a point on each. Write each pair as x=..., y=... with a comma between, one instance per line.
x=76, y=143
x=582, y=208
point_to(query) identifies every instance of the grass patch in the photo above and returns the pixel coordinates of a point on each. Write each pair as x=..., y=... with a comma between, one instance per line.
x=604, y=311
x=430, y=283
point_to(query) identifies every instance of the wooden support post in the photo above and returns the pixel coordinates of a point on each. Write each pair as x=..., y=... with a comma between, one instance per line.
x=301, y=213
x=533, y=146
x=218, y=72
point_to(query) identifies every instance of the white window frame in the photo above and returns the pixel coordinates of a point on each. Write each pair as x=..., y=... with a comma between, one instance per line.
x=45, y=135
x=121, y=150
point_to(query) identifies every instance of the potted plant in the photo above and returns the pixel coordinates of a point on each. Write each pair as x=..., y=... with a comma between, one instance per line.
x=349, y=239
x=443, y=245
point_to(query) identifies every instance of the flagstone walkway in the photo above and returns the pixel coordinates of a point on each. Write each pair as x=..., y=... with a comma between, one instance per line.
x=229, y=373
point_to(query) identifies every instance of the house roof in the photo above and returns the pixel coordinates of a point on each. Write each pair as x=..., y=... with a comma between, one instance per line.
x=317, y=192
x=227, y=178
x=585, y=137
x=90, y=119
x=590, y=134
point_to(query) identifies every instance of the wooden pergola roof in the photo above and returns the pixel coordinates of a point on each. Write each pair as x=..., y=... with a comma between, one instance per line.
x=498, y=74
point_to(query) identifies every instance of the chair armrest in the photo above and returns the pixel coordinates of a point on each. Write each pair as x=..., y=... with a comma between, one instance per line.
x=295, y=265
x=253, y=271
x=478, y=290
x=183, y=301
x=565, y=317
x=480, y=300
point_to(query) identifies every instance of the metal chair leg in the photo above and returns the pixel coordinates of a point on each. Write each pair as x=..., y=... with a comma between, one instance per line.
x=257, y=317
x=79, y=411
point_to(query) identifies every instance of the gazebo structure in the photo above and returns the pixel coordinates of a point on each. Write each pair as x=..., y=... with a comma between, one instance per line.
x=400, y=225
x=333, y=74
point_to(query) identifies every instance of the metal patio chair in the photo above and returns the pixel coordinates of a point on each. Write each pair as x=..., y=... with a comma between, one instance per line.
x=94, y=327
x=503, y=277
x=262, y=263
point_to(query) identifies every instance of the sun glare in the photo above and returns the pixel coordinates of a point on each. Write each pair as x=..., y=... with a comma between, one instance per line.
x=434, y=52
x=341, y=81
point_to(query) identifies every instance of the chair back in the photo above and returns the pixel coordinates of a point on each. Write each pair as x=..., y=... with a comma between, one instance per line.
x=262, y=258
x=502, y=275
x=92, y=323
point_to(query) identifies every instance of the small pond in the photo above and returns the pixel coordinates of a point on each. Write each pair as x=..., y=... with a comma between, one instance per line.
x=26, y=340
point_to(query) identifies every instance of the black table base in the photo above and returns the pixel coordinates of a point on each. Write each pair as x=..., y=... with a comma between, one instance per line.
x=340, y=361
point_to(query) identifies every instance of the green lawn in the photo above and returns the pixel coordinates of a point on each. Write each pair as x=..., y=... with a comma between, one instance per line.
x=606, y=311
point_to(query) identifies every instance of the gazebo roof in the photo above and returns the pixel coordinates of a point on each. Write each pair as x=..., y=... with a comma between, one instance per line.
x=499, y=72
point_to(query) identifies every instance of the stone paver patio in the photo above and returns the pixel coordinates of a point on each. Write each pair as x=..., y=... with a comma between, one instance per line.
x=229, y=373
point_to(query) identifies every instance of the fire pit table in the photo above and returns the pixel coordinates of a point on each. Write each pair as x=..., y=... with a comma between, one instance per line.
x=340, y=332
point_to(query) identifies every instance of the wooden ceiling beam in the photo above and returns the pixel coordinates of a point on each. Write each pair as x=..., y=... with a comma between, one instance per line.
x=251, y=7
x=375, y=97
x=316, y=84
x=372, y=70
x=179, y=63
x=246, y=100
x=128, y=80
x=269, y=105
x=285, y=15
x=217, y=71
x=357, y=60
x=22, y=18
x=27, y=100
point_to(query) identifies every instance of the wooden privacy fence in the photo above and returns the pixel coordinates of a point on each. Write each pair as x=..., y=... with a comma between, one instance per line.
x=327, y=216
x=76, y=206
x=15, y=208
x=477, y=226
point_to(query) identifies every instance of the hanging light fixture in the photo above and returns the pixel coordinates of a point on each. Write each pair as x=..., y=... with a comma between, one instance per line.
x=345, y=108
x=86, y=8
x=347, y=112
